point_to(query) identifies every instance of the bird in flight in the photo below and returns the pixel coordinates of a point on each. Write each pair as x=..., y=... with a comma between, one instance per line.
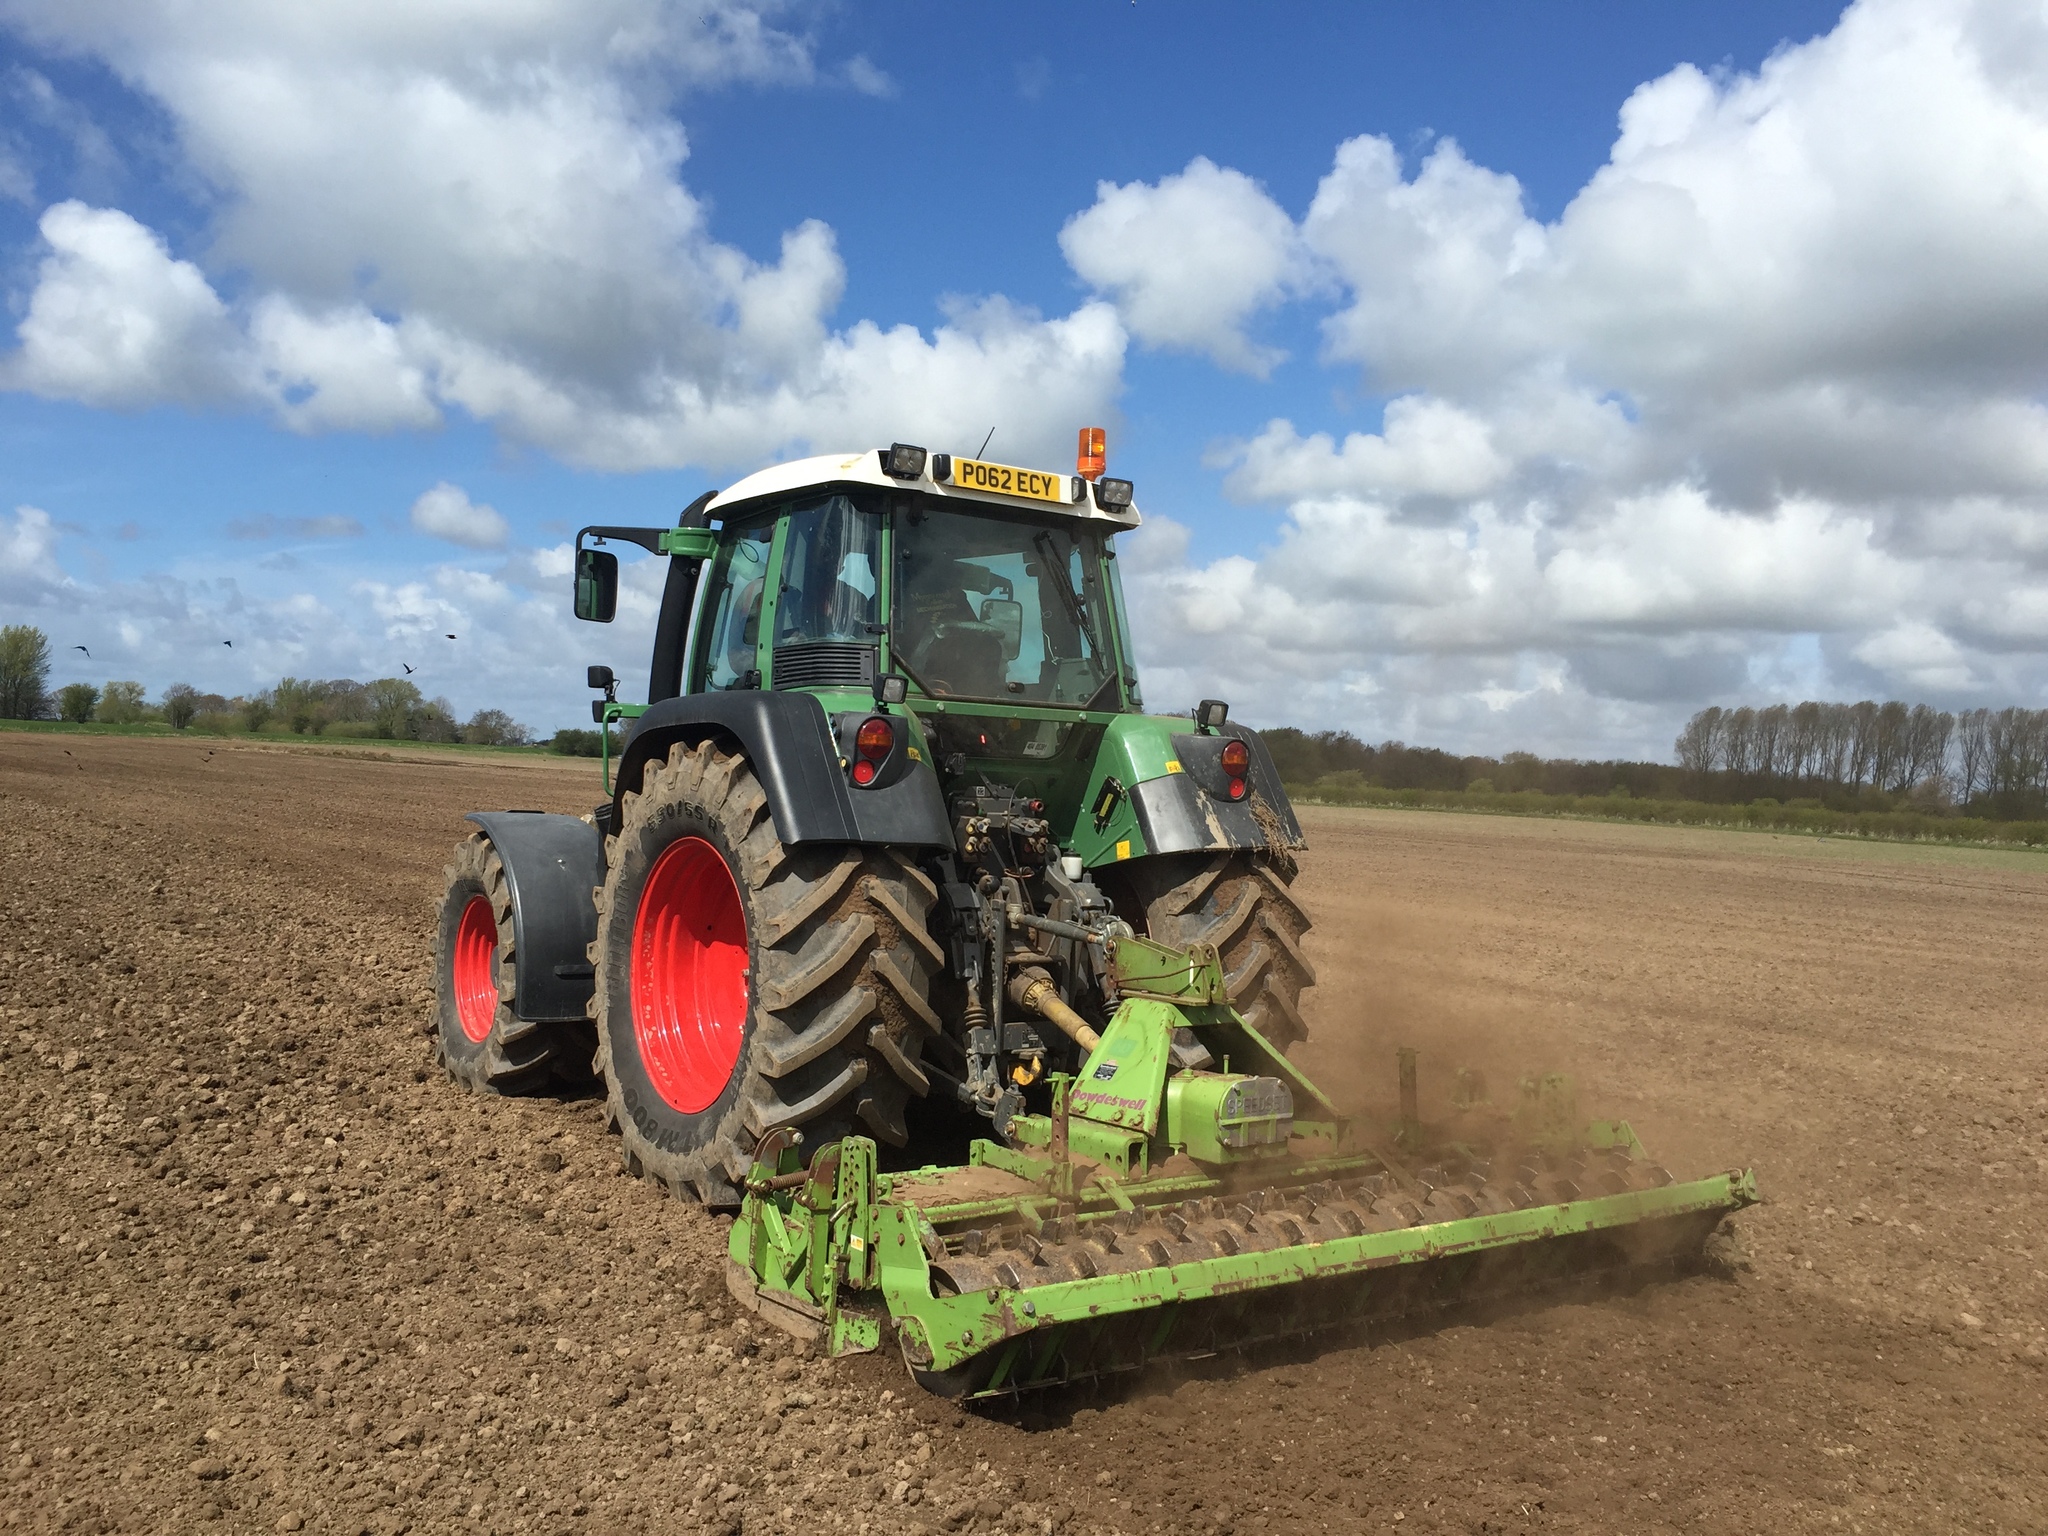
x=88, y=654
x=229, y=644
x=408, y=669
x=451, y=637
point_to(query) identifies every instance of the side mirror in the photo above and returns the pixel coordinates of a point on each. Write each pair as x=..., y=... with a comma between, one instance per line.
x=597, y=585
x=1006, y=617
x=599, y=677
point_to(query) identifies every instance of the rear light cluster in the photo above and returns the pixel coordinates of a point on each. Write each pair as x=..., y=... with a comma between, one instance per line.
x=1237, y=762
x=872, y=744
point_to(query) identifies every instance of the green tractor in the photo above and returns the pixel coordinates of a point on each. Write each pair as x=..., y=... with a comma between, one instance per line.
x=893, y=844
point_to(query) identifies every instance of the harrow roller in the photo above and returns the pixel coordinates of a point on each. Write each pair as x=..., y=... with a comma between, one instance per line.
x=1188, y=1217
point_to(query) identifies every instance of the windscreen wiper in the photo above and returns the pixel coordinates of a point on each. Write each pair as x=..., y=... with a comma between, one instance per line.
x=1064, y=584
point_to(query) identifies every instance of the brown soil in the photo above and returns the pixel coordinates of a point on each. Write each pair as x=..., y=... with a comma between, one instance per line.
x=259, y=1266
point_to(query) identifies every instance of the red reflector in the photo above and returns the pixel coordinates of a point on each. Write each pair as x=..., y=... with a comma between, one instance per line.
x=875, y=739
x=1237, y=789
x=864, y=772
x=1237, y=759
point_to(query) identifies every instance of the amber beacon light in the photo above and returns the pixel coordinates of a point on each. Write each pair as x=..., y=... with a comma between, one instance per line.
x=1091, y=459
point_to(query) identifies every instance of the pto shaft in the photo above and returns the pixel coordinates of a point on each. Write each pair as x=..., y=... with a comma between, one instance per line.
x=1033, y=989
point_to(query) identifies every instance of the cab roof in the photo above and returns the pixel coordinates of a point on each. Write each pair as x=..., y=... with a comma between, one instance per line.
x=825, y=471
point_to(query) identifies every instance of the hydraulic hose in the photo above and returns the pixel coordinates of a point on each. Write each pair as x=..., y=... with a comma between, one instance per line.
x=1033, y=989
x=1019, y=918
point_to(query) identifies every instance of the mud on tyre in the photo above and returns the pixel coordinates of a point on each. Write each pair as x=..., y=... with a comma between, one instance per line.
x=743, y=985
x=477, y=1037
x=1239, y=902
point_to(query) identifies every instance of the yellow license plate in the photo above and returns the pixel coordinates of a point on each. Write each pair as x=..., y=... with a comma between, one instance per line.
x=973, y=475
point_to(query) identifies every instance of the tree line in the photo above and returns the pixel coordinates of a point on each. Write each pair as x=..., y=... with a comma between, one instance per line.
x=1305, y=757
x=1987, y=761
x=1867, y=757
x=386, y=708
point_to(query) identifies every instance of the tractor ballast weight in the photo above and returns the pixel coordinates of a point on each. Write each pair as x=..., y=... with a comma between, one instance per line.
x=893, y=837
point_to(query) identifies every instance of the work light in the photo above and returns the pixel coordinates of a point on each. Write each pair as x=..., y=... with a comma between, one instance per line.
x=902, y=461
x=1112, y=494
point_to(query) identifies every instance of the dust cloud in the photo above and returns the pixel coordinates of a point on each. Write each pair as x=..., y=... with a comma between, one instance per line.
x=1391, y=974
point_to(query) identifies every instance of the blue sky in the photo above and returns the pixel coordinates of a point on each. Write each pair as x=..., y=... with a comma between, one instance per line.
x=1492, y=375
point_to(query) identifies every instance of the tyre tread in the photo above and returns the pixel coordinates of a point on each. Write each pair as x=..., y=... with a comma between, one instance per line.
x=519, y=1055
x=841, y=959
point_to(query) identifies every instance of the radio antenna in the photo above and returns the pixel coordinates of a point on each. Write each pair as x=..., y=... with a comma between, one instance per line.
x=984, y=443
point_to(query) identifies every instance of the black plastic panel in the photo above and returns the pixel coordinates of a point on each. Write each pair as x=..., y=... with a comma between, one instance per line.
x=1201, y=759
x=552, y=864
x=825, y=664
x=1191, y=811
x=788, y=740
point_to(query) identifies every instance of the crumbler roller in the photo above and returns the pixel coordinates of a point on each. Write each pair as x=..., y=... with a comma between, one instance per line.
x=1189, y=1192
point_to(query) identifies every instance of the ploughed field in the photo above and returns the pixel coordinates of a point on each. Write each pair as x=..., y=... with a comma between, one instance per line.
x=262, y=1267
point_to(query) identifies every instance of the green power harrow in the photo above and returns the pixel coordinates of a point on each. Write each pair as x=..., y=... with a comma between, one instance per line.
x=1190, y=1192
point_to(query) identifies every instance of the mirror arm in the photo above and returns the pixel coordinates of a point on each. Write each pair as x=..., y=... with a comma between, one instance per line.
x=648, y=539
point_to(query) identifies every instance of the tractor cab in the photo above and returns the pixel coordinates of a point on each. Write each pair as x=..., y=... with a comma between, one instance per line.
x=970, y=594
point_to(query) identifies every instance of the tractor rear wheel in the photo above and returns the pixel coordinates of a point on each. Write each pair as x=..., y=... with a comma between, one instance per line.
x=477, y=1037
x=743, y=985
x=1239, y=902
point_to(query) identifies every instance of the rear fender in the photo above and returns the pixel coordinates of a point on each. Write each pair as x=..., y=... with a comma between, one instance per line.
x=552, y=865
x=1157, y=789
x=1191, y=810
x=789, y=745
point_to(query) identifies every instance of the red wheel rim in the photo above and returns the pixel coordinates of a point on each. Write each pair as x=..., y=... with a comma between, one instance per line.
x=476, y=968
x=689, y=975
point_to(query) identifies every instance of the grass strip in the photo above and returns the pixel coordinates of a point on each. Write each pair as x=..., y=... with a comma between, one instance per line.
x=1758, y=816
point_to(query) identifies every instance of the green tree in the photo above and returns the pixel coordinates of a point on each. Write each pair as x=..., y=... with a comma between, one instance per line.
x=298, y=704
x=391, y=701
x=495, y=728
x=571, y=742
x=254, y=711
x=24, y=672
x=76, y=702
x=122, y=704
x=433, y=721
x=181, y=703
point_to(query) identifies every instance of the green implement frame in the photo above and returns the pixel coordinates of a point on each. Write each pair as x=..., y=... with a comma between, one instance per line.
x=1163, y=1209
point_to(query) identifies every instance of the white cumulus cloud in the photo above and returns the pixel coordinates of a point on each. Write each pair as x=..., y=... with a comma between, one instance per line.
x=1190, y=260
x=115, y=320
x=1762, y=408
x=446, y=512
x=440, y=205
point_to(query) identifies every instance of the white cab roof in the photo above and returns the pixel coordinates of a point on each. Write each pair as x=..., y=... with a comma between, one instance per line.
x=783, y=480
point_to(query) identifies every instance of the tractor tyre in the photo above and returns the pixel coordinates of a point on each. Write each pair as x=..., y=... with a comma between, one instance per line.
x=477, y=1037
x=1239, y=902
x=744, y=986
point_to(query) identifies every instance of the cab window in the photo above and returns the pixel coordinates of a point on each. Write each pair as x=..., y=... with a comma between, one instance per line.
x=831, y=561
x=989, y=608
x=732, y=609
